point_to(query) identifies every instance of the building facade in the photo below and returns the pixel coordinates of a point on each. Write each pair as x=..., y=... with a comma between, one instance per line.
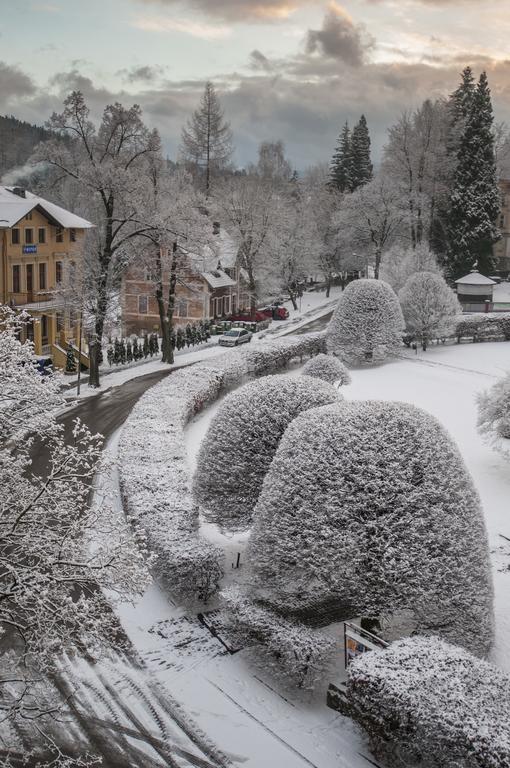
x=209, y=285
x=41, y=245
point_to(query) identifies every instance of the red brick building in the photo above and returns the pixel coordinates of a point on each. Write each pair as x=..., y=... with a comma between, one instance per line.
x=209, y=285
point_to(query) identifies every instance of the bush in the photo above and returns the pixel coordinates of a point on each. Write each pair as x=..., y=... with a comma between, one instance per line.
x=430, y=307
x=370, y=505
x=367, y=324
x=327, y=368
x=494, y=414
x=484, y=327
x=430, y=704
x=153, y=467
x=242, y=440
x=300, y=652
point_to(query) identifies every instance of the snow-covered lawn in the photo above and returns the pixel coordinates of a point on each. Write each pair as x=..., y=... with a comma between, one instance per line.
x=247, y=713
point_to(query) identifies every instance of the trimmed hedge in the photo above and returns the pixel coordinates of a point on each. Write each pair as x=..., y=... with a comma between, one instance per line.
x=153, y=468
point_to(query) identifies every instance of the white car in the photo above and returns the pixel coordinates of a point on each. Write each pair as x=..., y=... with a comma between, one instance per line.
x=234, y=337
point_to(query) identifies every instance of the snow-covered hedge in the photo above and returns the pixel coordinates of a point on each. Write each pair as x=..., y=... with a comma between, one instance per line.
x=327, y=367
x=299, y=651
x=367, y=324
x=426, y=703
x=484, y=327
x=242, y=440
x=153, y=468
x=370, y=504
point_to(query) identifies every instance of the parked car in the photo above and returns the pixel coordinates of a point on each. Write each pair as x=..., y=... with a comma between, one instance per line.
x=275, y=312
x=234, y=337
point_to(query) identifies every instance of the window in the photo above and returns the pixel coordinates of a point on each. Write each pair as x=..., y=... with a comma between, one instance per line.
x=42, y=276
x=44, y=329
x=29, y=236
x=182, y=308
x=59, y=272
x=41, y=235
x=59, y=234
x=218, y=302
x=28, y=217
x=226, y=305
x=72, y=235
x=16, y=278
x=15, y=236
x=143, y=305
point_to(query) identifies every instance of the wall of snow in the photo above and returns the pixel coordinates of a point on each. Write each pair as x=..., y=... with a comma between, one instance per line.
x=153, y=467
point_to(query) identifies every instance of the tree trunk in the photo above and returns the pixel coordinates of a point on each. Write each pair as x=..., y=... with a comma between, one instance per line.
x=378, y=256
x=167, y=355
x=292, y=296
x=328, y=286
x=171, y=303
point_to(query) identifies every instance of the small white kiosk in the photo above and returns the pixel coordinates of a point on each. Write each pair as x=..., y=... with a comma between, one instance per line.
x=475, y=291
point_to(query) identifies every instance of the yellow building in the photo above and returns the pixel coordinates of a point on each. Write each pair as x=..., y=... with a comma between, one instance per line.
x=41, y=245
x=501, y=249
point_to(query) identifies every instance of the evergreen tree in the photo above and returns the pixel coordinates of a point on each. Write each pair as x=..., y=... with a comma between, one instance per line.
x=459, y=107
x=173, y=339
x=145, y=345
x=361, y=168
x=340, y=170
x=109, y=355
x=136, y=349
x=116, y=352
x=180, y=342
x=189, y=339
x=129, y=352
x=70, y=361
x=122, y=349
x=474, y=199
x=155, y=343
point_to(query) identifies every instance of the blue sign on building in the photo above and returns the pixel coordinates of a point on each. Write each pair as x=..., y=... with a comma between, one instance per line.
x=29, y=249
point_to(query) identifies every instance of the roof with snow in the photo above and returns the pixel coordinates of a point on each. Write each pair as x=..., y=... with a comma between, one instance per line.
x=220, y=252
x=475, y=278
x=217, y=278
x=14, y=207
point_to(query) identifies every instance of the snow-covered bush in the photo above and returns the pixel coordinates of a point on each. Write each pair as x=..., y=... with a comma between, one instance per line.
x=370, y=504
x=430, y=307
x=484, y=327
x=301, y=652
x=242, y=440
x=327, y=368
x=400, y=263
x=367, y=323
x=494, y=414
x=154, y=472
x=424, y=702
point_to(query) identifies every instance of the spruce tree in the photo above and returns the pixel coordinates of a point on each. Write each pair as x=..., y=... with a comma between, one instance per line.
x=122, y=351
x=340, y=170
x=474, y=199
x=129, y=352
x=361, y=168
x=145, y=345
x=136, y=349
x=116, y=352
x=109, y=355
x=70, y=361
x=459, y=107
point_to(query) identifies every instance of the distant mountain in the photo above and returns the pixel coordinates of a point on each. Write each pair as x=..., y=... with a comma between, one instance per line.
x=17, y=141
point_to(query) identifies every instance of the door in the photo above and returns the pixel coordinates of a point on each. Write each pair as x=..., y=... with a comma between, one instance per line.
x=30, y=281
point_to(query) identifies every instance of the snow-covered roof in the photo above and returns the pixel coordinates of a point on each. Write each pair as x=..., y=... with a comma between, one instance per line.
x=222, y=250
x=475, y=278
x=13, y=208
x=217, y=278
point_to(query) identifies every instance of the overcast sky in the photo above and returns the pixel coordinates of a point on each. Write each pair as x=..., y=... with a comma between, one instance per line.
x=286, y=69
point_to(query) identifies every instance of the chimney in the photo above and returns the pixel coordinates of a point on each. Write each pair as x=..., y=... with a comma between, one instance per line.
x=216, y=227
x=18, y=191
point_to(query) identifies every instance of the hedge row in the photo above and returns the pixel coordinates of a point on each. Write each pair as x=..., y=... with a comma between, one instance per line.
x=154, y=472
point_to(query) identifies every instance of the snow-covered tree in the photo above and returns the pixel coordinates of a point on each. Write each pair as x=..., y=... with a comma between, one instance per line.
x=207, y=137
x=494, y=414
x=425, y=702
x=369, y=506
x=108, y=171
x=340, y=169
x=431, y=309
x=327, y=368
x=272, y=163
x=361, y=169
x=371, y=219
x=57, y=553
x=400, y=262
x=242, y=439
x=367, y=323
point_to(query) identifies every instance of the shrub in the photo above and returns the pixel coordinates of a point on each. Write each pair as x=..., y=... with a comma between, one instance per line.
x=427, y=703
x=484, y=327
x=367, y=324
x=430, y=307
x=242, y=439
x=300, y=652
x=327, y=368
x=370, y=505
x=494, y=414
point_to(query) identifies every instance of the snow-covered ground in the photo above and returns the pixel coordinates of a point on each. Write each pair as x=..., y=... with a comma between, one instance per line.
x=244, y=709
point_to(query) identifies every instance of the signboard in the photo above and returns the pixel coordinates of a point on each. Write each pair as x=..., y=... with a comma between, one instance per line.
x=29, y=249
x=358, y=640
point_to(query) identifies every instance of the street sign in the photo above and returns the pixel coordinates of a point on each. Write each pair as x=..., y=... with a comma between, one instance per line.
x=29, y=249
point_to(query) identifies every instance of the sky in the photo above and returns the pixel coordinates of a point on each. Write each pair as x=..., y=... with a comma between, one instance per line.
x=293, y=70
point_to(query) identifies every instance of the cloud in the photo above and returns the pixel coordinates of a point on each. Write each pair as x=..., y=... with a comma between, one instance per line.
x=339, y=38
x=14, y=83
x=186, y=26
x=259, y=62
x=241, y=10
x=143, y=73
